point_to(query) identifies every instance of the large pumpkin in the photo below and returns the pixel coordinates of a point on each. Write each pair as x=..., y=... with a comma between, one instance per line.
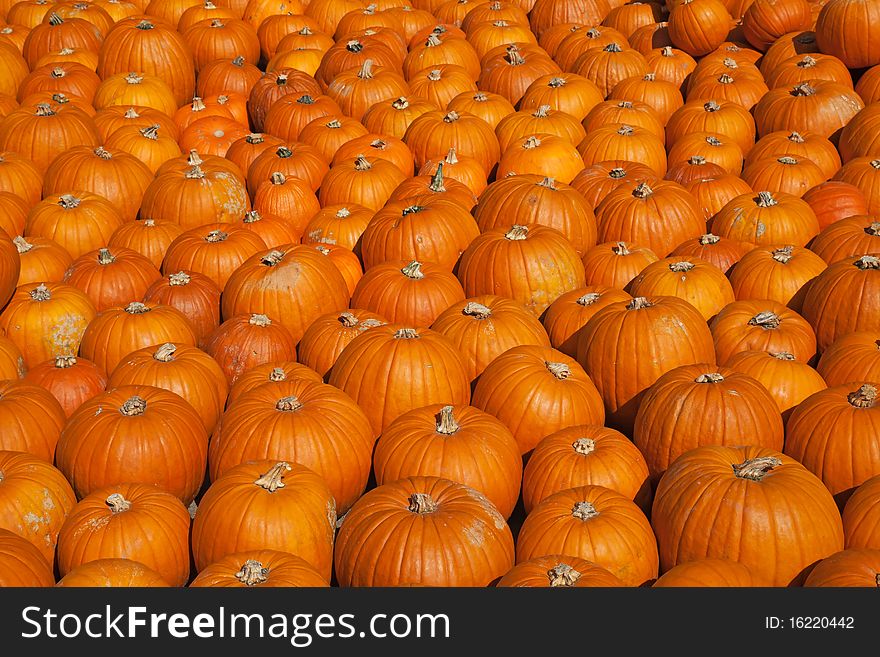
x=556, y=570
x=130, y=521
x=766, y=219
x=778, y=273
x=788, y=380
x=593, y=523
x=668, y=327
x=695, y=405
x=80, y=222
x=328, y=335
x=288, y=420
x=571, y=311
x=423, y=516
x=266, y=505
x=385, y=386
x=849, y=237
x=833, y=37
x=243, y=341
x=767, y=495
x=615, y=264
x=111, y=278
x=193, y=294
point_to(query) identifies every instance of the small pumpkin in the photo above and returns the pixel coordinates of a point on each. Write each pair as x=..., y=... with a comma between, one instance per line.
x=112, y=572
x=69, y=379
x=555, y=570
x=257, y=567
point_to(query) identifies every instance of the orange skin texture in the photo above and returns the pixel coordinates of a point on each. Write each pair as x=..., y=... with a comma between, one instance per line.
x=284, y=570
x=198, y=299
x=861, y=516
x=851, y=567
x=239, y=344
x=789, y=221
x=32, y=417
x=614, y=266
x=79, y=229
x=852, y=357
x=709, y=573
x=571, y=311
x=328, y=335
x=114, y=284
x=847, y=238
x=276, y=371
x=70, y=384
x=766, y=272
x=22, y=563
x=703, y=285
x=789, y=382
x=534, y=573
x=115, y=572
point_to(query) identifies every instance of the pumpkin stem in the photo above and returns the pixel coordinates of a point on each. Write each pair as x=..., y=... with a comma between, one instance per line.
x=55, y=19
x=683, y=266
x=437, y=180
x=766, y=320
x=709, y=238
x=343, y=213
x=796, y=138
x=348, y=320
x=251, y=216
x=150, y=132
x=783, y=254
x=803, y=89
x=476, y=310
x=277, y=374
x=755, y=469
x=711, y=377
x=361, y=163
x=588, y=299
x=134, y=78
x=21, y=244
x=584, y=511
x=68, y=201
x=531, y=142
x=875, y=164
x=711, y=106
x=288, y=404
x=451, y=158
x=712, y=140
x=667, y=51
x=216, y=236
x=725, y=78
x=259, y=320
x=281, y=79
x=40, y=293
x=400, y=103
x=433, y=40
x=133, y=406
x=284, y=152
x=63, y=362
x=781, y=355
x=786, y=159
x=165, y=352
x=103, y=153
x=696, y=160
x=617, y=173
x=137, y=308
x=643, y=190
x=451, y=116
x=195, y=173
x=584, y=446
x=867, y=262
x=252, y=573
x=517, y=232
x=435, y=75
x=255, y=138
x=413, y=271
x=729, y=63
x=117, y=503
x=542, y=112
x=514, y=57
x=446, y=423
x=354, y=46
x=180, y=278
x=620, y=249
x=105, y=257
x=193, y=158
x=807, y=62
x=273, y=480
x=766, y=200
x=563, y=575
x=556, y=82
x=272, y=258
x=560, y=370
x=239, y=61
x=366, y=72
x=864, y=397
x=638, y=303
x=277, y=178
x=613, y=47
x=422, y=503
x=406, y=334
x=625, y=130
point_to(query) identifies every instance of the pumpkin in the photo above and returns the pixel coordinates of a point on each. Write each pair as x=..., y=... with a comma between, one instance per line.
x=835, y=200
x=516, y=126
x=378, y=146
x=259, y=568
x=69, y=379
x=423, y=515
x=459, y=443
x=670, y=64
x=275, y=372
x=235, y=75
x=532, y=154
x=243, y=151
x=266, y=505
x=724, y=118
x=766, y=219
x=789, y=381
x=718, y=149
x=819, y=106
x=272, y=86
x=831, y=422
x=79, y=223
x=825, y=302
x=15, y=211
x=555, y=570
x=531, y=264
x=341, y=224
x=112, y=118
x=147, y=237
x=293, y=284
x=660, y=216
x=147, y=144
x=54, y=32
x=111, y=277
x=721, y=252
x=112, y=572
x=392, y=117
x=562, y=384
x=695, y=167
x=281, y=32
x=294, y=159
x=139, y=89
x=852, y=567
x=695, y=405
x=129, y=47
x=787, y=174
x=696, y=281
x=69, y=78
x=360, y=181
x=781, y=274
x=622, y=378
x=615, y=264
x=860, y=516
x=570, y=93
x=572, y=310
x=593, y=523
x=20, y=176
x=146, y=434
x=815, y=148
x=712, y=194
x=698, y=26
x=215, y=250
x=365, y=372
x=623, y=142
x=130, y=521
x=852, y=357
x=22, y=563
x=545, y=13
x=585, y=455
x=273, y=230
x=862, y=173
x=483, y=327
x=761, y=325
x=433, y=133
x=709, y=573
x=690, y=493
x=799, y=42
x=116, y=332
x=46, y=321
x=34, y=500
x=765, y=21
x=328, y=335
x=434, y=186
x=11, y=360
x=243, y=341
x=833, y=20
x=466, y=170
x=194, y=295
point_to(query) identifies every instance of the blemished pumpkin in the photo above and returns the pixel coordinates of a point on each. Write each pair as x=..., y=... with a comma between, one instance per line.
x=761, y=484
x=766, y=218
x=268, y=568
x=695, y=405
x=287, y=420
x=713, y=573
x=246, y=340
x=861, y=516
x=832, y=423
x=266, y=504
x=112, y=572
x=35, y=498
x=423, y=515
x=622, y=377
x=556, y=570
x=594, y=523
x=131, y=521
x=519, y=384
x=143, y=433
x=459, y=443
x=585, y=455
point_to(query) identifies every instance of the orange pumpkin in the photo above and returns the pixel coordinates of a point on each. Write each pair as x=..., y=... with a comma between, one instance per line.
x=555, y=570
x=243, y=341
x=22, y=563
x=696, y=281
x=761, y=325
x=194, y=295
x=69, y=379
x=788, y=381
x=113, y=572
x=259, y=568
x=860, y=517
